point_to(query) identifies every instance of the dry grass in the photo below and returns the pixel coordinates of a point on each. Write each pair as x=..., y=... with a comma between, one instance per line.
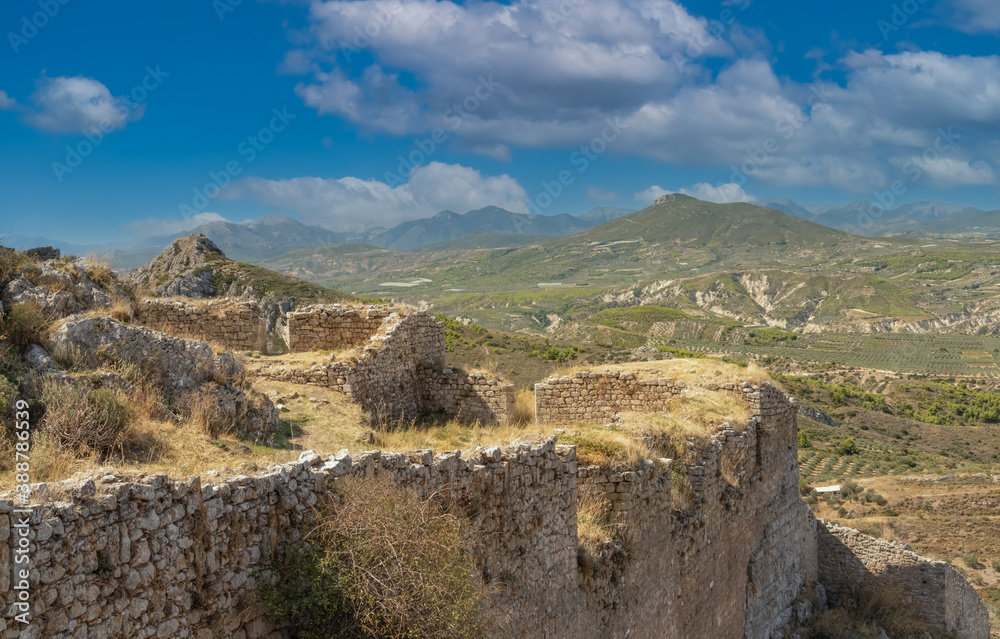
x=594, y=523
x=690, y=371
x=524, y=407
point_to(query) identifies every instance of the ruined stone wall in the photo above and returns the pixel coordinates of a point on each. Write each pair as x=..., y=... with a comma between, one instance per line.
x=933, y=590
x=455, y=395
x=596, y=397
x=186, y=559
x=400, y=375
x=385, y=380
x=717, y=542
x=331, y=326
x=234, y=324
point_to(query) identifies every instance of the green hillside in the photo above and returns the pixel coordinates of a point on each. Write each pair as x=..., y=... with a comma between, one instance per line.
x=685, y=220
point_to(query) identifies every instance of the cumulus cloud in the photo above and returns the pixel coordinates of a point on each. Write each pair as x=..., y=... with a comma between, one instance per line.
x=153, y=226
x=551, y=61
x=976, y=16
x=75, y=105
x=351, y=203
x=721, y=194
x=549, y=74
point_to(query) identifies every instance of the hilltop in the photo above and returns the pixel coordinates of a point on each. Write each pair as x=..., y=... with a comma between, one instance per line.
x=193, y=266
x=684, y=220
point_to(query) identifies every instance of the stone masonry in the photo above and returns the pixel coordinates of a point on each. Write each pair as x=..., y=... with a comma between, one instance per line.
x=933, y=590
x=719, y=543
x=597, y=396
x=234, y=324
x=400, y=375
x=331, y=327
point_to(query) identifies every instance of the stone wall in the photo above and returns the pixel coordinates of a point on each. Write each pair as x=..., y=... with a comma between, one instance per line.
x=331, y=326
x=400, y=375
x=717, y=544
x=467, y=397
x=235, y=324
x=932, y=590
x=596, y=397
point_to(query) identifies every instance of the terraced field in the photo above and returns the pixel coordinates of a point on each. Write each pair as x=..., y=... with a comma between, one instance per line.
x=938, y=355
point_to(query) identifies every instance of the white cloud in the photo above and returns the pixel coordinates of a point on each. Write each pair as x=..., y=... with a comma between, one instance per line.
x=976, y=16
x=558, y=70
x=154, y=227
x=7, y=103
x=75, y=105
x=350, y=203
x=721, y=194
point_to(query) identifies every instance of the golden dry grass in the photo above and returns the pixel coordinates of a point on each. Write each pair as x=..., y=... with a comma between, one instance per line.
x=690, y=371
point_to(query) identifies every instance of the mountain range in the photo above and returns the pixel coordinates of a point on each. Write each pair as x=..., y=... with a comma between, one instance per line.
x=866, y=217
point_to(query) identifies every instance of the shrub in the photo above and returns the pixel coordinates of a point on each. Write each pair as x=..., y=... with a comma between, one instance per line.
x=861, y=613
x=996, y=565
x=804, y=441
x=83, y=418
x=23, y=324
x=381, y=562
x=848, y=447
x=971, y=560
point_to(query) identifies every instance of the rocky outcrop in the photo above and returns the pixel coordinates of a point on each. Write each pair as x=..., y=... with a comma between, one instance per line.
x=817, y=415
x=185, y=268
x=183, y=368
x=62, y=288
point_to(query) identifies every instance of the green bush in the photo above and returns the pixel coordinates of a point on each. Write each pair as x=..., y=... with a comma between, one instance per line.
x=804, y=441
x=848, y=447
x=381, y=563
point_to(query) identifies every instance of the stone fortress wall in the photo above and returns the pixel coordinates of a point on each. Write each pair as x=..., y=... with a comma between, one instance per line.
x=945, y=600
x=719, y=542
x=597, y=396
x=400, y=375
x=234, y=324
x=323, y=327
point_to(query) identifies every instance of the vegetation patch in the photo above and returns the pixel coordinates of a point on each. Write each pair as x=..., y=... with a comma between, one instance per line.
x=381, y=562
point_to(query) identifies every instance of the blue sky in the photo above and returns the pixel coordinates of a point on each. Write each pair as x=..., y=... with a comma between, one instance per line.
x=125, y=120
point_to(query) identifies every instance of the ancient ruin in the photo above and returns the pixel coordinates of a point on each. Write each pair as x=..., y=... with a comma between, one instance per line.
x=721, y=544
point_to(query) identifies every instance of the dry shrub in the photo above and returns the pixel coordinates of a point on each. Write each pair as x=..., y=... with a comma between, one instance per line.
x=23, y=324
x=201, y=410
x=860, y=613
x=603, y=538
x=83, y=418
x=99, y=271
x=12, y=262
x=382, y=562
x=524, y=407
